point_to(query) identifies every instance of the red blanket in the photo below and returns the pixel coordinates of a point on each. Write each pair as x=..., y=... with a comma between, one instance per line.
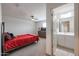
x=19, y=41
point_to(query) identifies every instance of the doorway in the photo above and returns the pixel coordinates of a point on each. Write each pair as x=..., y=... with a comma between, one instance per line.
x=63, y=30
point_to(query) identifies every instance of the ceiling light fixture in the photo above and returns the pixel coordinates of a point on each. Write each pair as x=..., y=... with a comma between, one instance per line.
x=32, y=17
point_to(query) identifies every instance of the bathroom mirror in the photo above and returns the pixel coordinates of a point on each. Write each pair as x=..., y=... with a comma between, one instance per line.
x=64, y=26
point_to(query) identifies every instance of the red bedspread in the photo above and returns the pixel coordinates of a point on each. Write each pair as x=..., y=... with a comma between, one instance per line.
x=19, y=41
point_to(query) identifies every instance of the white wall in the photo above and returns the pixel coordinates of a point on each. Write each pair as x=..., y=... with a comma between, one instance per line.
x=49, y=32
x=0, y=28
x=19, y=26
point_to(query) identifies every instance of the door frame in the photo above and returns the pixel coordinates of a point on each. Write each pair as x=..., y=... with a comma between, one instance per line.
x=76, y=28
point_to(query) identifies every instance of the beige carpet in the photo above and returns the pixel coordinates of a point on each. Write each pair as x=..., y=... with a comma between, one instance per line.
x=35, y=49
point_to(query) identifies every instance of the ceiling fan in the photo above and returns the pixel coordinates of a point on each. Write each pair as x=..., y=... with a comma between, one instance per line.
x=33, y=18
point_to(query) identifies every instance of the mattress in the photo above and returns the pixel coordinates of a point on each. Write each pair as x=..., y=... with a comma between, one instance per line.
x=18, y=41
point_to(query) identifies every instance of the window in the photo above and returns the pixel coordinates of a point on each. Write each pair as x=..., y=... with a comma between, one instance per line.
x=44, y=25
x=66, y=15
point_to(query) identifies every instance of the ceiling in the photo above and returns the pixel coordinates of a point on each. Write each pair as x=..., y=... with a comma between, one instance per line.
x=64, y=8
x=25, y=10
x=55, y=5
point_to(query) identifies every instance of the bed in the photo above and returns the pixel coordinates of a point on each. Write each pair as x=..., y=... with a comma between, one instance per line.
x=19, y=41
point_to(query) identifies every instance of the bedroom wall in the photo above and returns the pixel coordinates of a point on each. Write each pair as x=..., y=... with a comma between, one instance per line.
x=19, y=26
x=16, y=20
